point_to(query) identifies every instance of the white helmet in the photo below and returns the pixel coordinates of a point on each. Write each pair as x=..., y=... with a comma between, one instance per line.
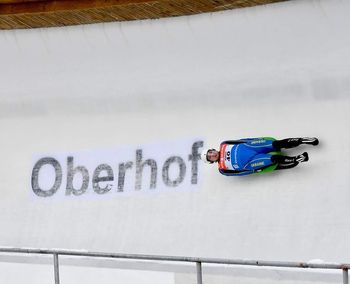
x=204, y=156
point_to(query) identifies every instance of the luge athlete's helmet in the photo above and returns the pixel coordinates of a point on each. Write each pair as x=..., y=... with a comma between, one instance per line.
x=204, y=155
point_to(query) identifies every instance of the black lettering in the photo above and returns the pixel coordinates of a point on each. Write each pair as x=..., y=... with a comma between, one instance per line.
x=121, y=174
x=139, y=168
x=96, y=179
x=165, y=171
x=35, y=177
x=194, y=157
x=70, y=177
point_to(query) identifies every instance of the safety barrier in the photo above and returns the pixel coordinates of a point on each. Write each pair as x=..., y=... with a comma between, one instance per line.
x=196, y=260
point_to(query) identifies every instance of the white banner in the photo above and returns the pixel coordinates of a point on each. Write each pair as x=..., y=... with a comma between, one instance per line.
x=150, y=168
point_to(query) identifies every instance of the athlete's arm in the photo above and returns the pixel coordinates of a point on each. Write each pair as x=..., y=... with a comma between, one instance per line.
x=234, y=173
x=232, y=142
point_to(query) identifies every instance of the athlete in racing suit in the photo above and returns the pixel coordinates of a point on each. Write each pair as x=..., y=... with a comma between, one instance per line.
x=254, y=155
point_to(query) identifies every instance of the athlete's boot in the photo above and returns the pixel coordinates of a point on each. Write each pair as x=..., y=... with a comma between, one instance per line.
x=304, y=157
x=310, y=140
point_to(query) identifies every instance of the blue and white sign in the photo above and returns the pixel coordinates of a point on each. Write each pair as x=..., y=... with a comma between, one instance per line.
x=126, y=170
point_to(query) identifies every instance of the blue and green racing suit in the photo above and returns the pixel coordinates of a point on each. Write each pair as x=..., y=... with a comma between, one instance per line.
x=247, y=156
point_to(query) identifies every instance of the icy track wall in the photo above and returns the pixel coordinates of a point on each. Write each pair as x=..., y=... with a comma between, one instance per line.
x=280, y=70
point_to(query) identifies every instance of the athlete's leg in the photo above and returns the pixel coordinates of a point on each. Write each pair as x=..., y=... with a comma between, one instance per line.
x=250, y=148
x=285, y=162
x=294, y=142
x=258, y=162
x=261, y=144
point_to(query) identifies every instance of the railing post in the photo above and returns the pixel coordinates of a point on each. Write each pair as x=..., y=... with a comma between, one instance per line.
x=56, y=268
x=345, y=276
x=199, y=273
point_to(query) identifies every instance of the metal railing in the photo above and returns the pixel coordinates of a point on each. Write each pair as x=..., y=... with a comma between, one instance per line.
x=196, y=260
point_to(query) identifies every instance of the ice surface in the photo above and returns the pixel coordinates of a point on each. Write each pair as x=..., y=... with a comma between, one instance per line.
x=280, y=70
